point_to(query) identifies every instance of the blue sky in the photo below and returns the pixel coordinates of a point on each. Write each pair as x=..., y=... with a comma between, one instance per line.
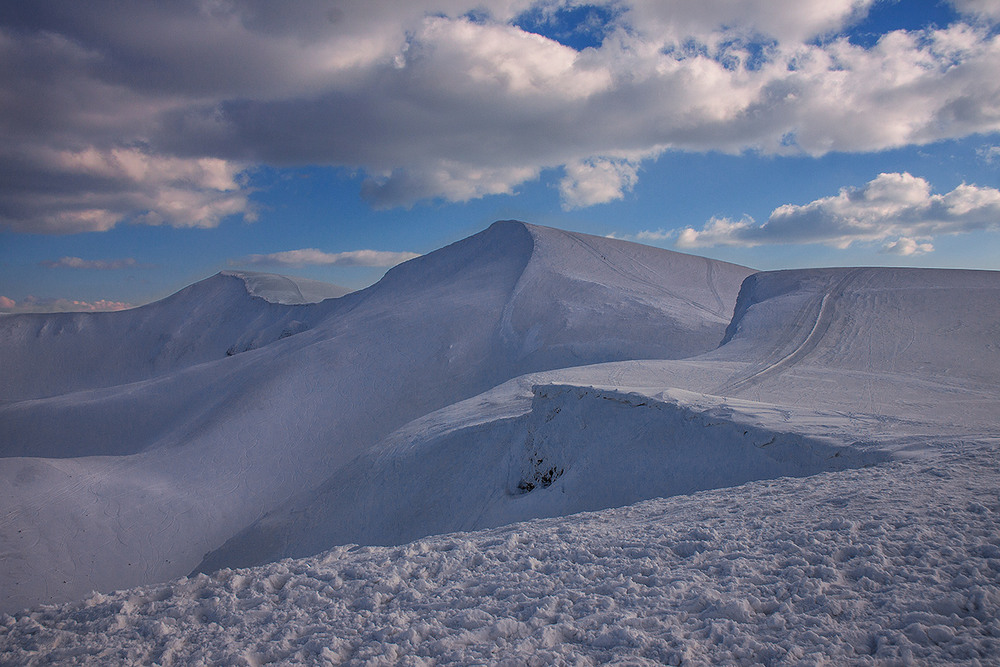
x=145, y=148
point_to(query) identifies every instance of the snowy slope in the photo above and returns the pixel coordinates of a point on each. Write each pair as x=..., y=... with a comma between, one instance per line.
x=831, y=470
x=148, y=475
x=895, y=564
x=821, y=370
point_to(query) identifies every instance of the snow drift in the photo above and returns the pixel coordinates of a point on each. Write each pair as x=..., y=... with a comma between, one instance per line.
x=569, y=452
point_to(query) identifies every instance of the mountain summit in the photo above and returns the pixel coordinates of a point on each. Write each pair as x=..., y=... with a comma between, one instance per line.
x=166, y=429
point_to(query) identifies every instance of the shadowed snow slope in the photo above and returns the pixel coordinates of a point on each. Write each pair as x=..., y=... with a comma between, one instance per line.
x=463, y=391
x=144, y=439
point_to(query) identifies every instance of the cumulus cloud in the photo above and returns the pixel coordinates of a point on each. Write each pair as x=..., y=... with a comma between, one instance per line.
x=32, y=304
x=93, y=190
x=896, y=205
x=906, y=246
x=151, y=113
x=596, y=181
x=95, y=264
x=312, y=256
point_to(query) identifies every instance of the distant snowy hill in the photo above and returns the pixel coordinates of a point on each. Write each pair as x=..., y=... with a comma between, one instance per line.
x=153, y=436
x=52, y=354
x=287, y=290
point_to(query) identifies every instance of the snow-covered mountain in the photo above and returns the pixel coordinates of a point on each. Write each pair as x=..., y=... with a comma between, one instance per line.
x=819, y=370
x=53, y=354
x=217, y=406
x=825, y=440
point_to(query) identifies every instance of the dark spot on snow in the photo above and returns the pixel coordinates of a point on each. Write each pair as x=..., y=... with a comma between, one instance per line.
x=540, y=475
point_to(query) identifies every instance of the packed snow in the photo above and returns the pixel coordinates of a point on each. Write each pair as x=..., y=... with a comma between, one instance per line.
x=893, y=564
x=781, y=467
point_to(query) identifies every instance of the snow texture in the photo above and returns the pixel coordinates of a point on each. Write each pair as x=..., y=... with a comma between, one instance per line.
x=558, y=449
x=888, y=565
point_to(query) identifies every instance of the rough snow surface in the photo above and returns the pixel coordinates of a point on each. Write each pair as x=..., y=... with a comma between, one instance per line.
x=894, y=564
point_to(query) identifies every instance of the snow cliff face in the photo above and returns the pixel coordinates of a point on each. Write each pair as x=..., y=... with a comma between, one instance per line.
x=165, y=430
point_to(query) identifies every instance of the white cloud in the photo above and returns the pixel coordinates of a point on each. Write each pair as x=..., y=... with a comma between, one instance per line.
x=906, y=246
x=596, y=181
x=989, y=9
x=452, y=180
x=122, y=184
x=786, y=20
x=312, y=256
x=989, y=154
x=891, y=205
x=94, y=264
x=429, y=103
x=32, y=304
x=658, y=235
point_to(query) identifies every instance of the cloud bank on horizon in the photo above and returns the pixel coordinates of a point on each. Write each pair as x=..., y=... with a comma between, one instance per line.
x=898, y=206
x=156, y=114
x=33, y=304
x=314, y=256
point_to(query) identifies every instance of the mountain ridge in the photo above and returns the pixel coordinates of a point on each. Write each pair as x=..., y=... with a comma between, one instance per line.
x=167, y=466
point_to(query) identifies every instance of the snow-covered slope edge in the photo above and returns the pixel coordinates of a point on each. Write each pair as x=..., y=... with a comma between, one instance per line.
x=878, y=361
x=886, y=565
x=571, y=449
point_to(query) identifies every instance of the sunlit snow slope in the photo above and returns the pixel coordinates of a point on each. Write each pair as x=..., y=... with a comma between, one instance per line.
x=134, y=443
x=820, y=370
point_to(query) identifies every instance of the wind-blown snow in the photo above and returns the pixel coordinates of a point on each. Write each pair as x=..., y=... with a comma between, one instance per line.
x=817, y=457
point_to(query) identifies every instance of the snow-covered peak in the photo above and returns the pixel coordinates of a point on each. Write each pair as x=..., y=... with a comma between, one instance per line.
x=287, y=290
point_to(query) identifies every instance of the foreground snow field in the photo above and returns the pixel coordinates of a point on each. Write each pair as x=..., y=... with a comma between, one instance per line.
x=894, y=564
x=805, y=465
